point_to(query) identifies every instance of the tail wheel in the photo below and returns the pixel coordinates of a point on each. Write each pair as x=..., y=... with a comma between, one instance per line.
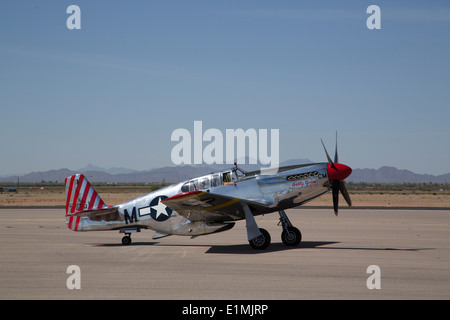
x=126, y=241
x=291, y=237
x=262, y=242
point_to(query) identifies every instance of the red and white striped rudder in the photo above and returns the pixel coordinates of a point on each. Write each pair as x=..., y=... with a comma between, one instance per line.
x=80, y=197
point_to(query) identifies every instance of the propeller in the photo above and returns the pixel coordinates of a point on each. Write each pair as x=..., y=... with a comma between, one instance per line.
x=337, y=172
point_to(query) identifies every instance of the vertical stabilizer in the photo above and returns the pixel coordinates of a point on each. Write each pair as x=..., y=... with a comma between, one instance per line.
x=81, y=196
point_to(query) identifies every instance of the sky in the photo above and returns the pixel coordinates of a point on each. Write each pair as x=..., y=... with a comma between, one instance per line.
x=113, y=92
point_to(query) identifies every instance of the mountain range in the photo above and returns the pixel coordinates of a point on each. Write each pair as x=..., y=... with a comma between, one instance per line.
x=168, y=174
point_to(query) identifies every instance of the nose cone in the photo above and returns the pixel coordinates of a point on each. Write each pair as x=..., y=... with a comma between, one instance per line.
x=339, y=172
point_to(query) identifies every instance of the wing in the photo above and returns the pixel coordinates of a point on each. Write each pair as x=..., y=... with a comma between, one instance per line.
x=205, y=206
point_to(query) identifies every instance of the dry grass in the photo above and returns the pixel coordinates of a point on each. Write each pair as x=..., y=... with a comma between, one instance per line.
x=384, y=199
x=55, y=196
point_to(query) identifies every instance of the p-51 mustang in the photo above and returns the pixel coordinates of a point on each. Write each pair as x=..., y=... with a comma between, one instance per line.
x=210, y=203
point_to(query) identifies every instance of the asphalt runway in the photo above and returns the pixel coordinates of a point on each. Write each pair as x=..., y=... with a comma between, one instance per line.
x=410, y=248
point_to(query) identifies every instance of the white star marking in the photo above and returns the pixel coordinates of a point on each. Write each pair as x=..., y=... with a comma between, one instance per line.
x=160, y=209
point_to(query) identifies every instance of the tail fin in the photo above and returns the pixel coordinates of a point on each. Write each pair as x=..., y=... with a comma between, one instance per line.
x=81, y=196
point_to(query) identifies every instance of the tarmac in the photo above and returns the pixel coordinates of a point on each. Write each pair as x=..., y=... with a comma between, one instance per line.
x=361, y=254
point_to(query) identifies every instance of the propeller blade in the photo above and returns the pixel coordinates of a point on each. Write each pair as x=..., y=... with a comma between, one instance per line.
x=336, y=160
x=328, y=156
x=335, y=189
x=344, y=192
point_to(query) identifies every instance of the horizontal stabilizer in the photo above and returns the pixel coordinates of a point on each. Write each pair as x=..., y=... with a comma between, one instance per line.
x=108, y=214
x=94, y=214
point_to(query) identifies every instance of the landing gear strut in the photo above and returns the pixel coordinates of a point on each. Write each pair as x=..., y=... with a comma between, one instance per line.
x=290, y=236
x=259, y=238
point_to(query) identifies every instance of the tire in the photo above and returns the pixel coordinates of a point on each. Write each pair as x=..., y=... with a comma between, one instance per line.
x=292, y=238
x=262, y=242
x=126, y=241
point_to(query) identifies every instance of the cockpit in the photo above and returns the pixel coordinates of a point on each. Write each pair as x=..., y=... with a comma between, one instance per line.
x=213, y=180
x=206, y=182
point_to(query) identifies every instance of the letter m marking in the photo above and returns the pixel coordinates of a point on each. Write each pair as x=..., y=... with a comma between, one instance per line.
x=133, y=217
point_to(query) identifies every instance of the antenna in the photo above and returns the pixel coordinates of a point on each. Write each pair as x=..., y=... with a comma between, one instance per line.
x=176, y=172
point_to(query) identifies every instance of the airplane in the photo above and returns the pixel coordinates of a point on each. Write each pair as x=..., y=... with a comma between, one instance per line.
x=211, y=203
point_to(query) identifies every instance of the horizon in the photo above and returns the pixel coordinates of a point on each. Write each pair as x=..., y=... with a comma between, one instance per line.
x=114, y=91
x=106, y=170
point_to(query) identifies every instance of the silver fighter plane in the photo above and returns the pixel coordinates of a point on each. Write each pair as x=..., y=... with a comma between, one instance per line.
x=211, y=203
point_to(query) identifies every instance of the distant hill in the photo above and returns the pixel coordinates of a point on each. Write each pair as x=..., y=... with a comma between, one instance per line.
x=114, y=170
x=180, y=173
x=167, y=174
x=393, y=175
x=48, y=176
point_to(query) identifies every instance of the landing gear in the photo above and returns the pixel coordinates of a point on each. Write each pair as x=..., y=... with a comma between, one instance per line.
x=261, y=242
x=290, y=236
x=258, y=238
x=126, y=240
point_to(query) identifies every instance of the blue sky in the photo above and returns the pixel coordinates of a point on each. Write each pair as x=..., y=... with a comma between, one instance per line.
x=112, y=92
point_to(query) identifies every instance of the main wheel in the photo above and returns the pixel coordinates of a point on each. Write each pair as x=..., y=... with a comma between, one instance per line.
x=262, y=242
x=291, y=237
x=126, y=241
